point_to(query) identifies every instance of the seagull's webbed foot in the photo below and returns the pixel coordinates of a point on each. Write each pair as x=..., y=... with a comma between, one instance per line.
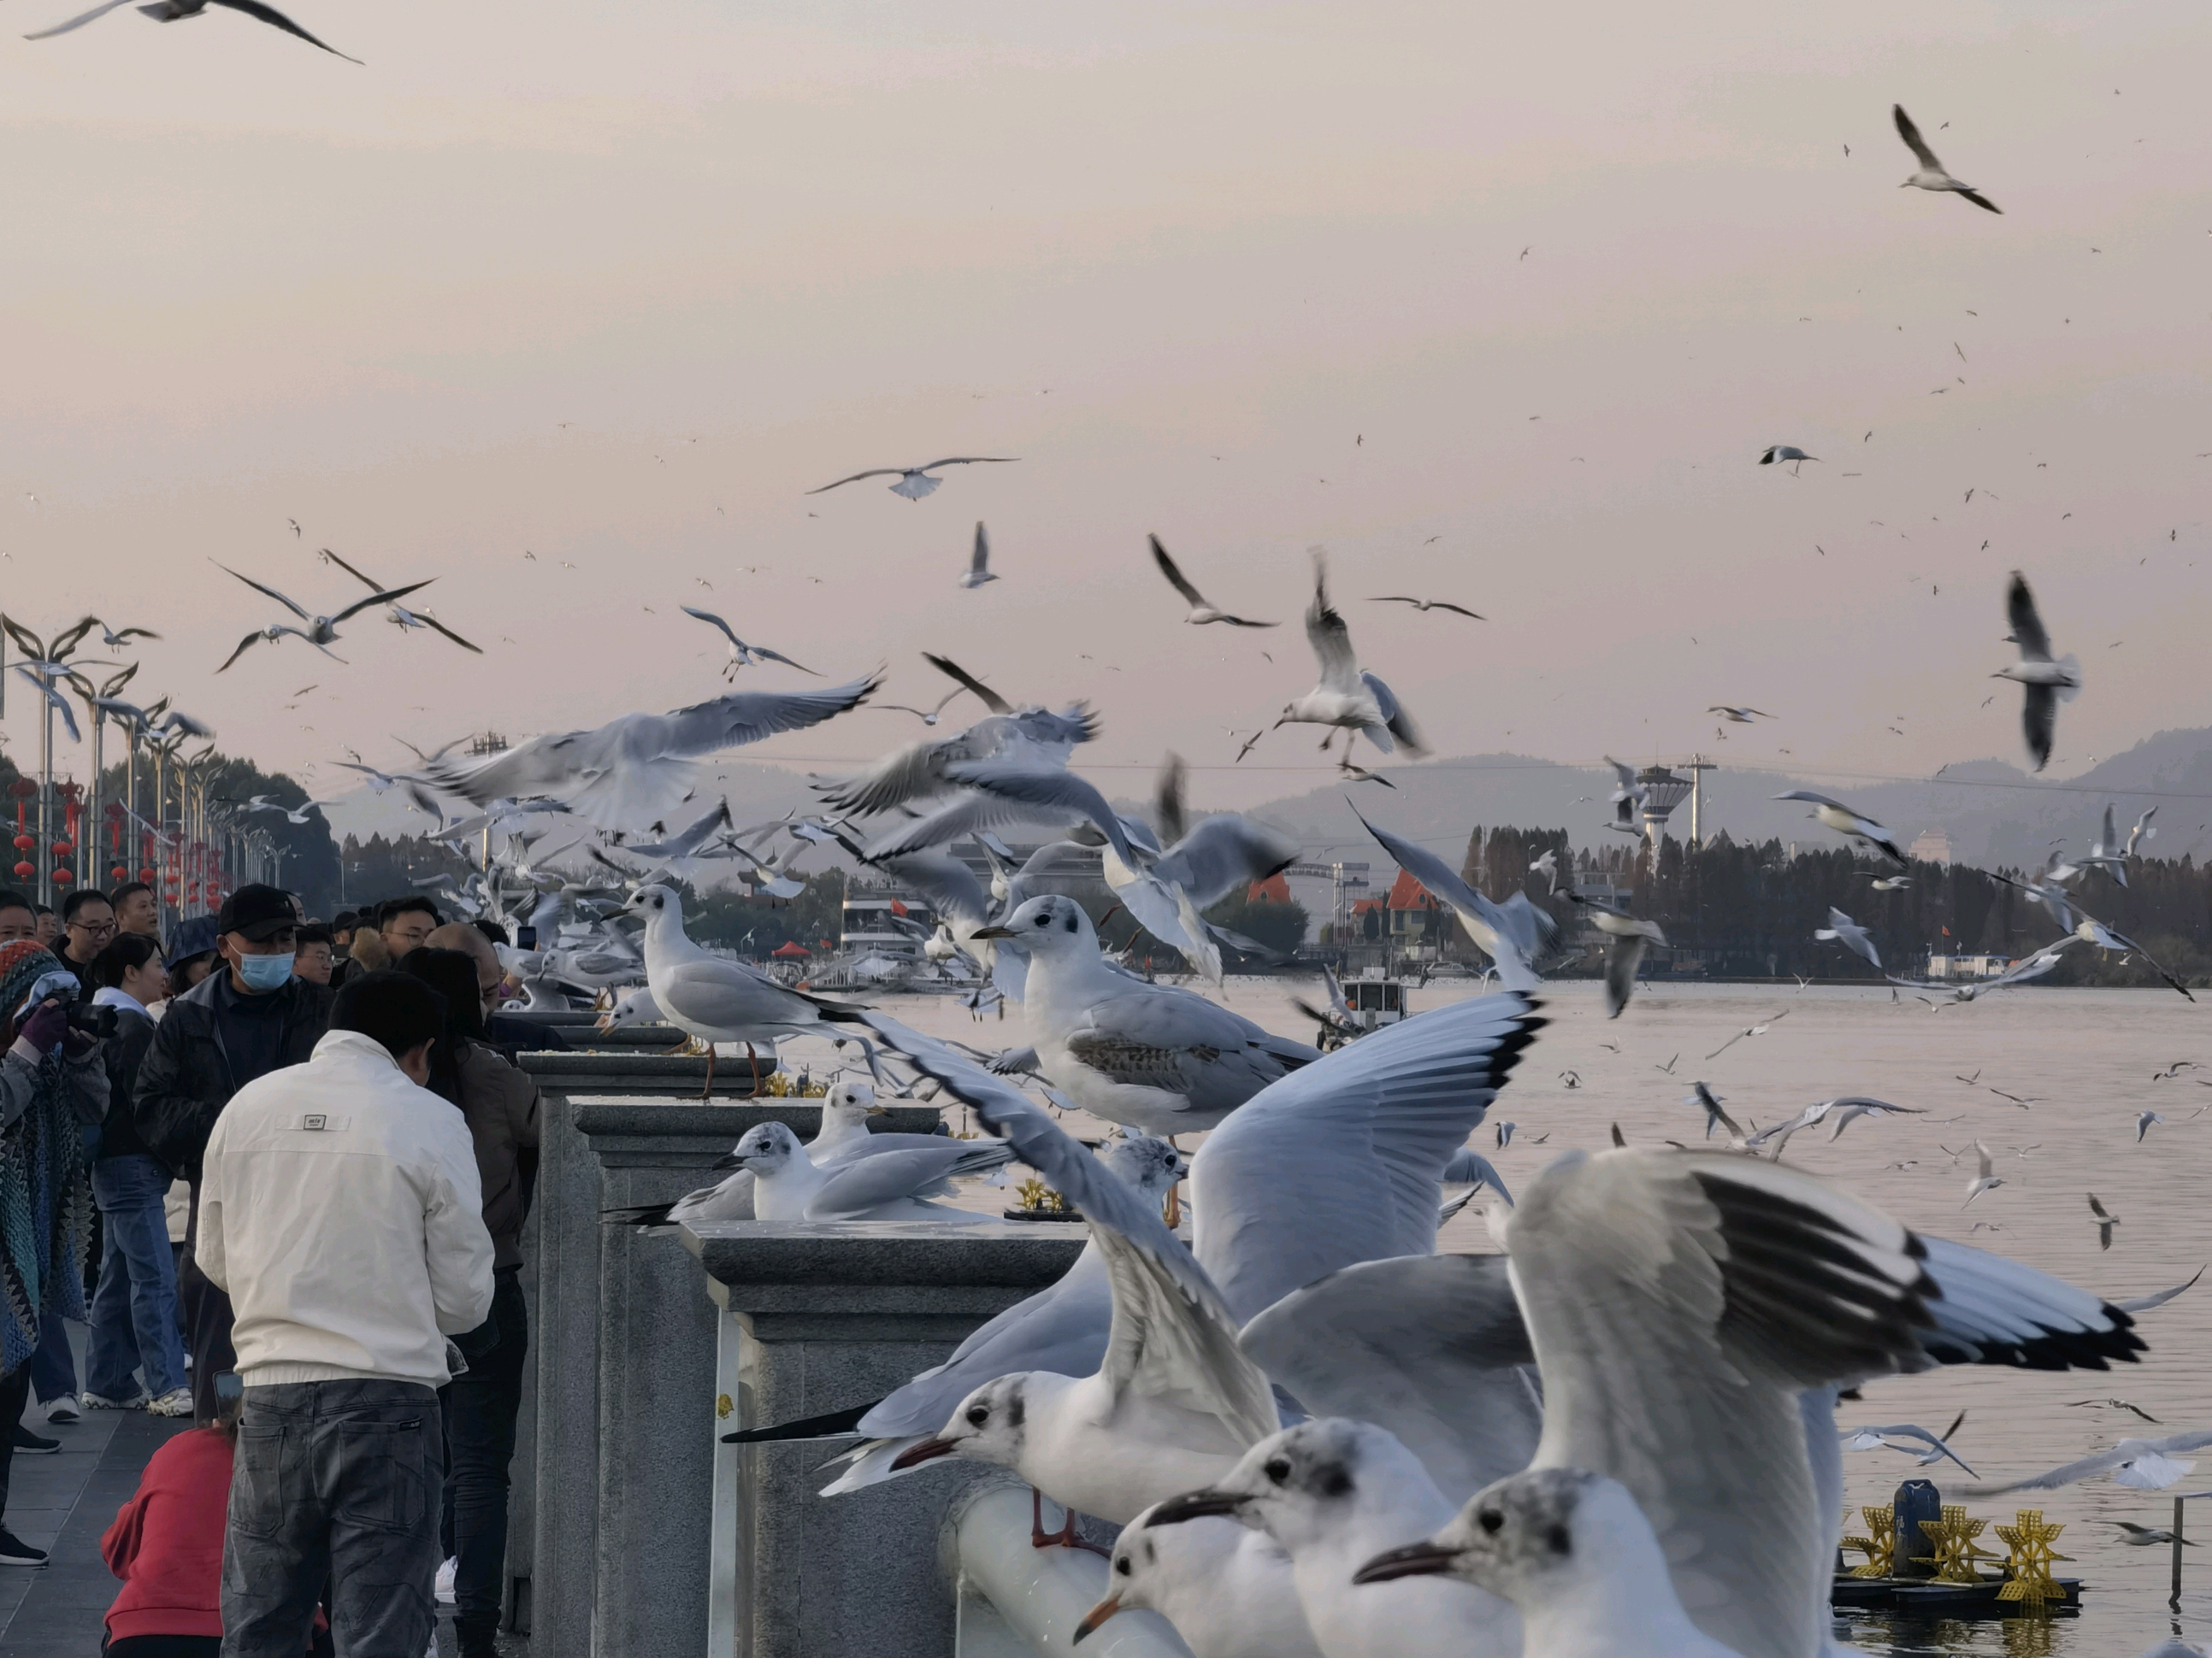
x=1065, y=1538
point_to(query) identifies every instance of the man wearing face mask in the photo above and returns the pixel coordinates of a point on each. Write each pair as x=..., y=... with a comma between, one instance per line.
x=249, y=1018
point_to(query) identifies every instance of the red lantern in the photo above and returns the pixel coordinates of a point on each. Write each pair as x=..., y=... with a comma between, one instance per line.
x=149, y=873
x=62, y=848
x=62, y=877
x=25, y=872
x=119, y=873
x=25, y=843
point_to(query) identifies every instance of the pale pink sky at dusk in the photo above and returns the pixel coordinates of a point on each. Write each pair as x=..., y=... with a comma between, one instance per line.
x=616, y=284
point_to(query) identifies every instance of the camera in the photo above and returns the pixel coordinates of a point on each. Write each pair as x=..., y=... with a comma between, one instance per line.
x=97, y=1023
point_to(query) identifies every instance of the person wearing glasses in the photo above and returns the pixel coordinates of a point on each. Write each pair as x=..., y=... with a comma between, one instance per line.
x=88, y=928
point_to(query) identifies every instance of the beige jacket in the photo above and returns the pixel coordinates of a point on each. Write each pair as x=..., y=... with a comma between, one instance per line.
x=340, y=1208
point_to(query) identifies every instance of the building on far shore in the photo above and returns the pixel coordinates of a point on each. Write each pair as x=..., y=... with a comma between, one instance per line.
x=1930, y=845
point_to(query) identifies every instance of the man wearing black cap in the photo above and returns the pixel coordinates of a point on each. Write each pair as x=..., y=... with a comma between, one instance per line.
x=250, y=1017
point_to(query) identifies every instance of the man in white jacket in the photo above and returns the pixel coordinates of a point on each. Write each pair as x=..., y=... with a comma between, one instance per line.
x=340, y=1209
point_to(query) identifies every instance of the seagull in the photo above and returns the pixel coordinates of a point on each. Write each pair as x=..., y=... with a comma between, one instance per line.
x=1152, y=1056
x=915, y=482
x=1789, y=451
x=299, y=815
x=1226, y=1588
x=1701, y=1095
x=979, y=569
x=1516, y=935
x=1887, y=882
x=399, y=614
x=714, y=998
x=927, y=716
x=2143, y=1124
x=1749, y=1030
x=1932, y=175
x=1201, y=612
x=1835, y=815
x=2106, y=1221
x=2142, y=832
x=1984, y=1180
x=1628, y=795
x=1626, y=937
x=2047, y=682
x=321, y=631
x=2141, y=1465
x=1577, y=1557
x=789, y=1186
x=1936, y=1445
x=743, y=655
x=1548, y=867
x=2143, y=1536
x=1841, y=929
x=1741, y=716
x=1346, y=699
x=115, y=639
x=2115, y=1403
x=1427, y=604
x=54, y=699
x=169, y=11
x=1845, y=1112
x=2091, y=930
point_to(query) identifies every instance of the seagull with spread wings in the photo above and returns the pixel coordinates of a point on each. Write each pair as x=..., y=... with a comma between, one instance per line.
x=399, y=616
x=1851, y=824
x=1201, y=612
x=979, y=569
x=915, y=482
x=742, y=655
x=2047, y=682
x=1932, y=175
x=1427, y=604
x=321, y=630
x=169, y=11
x=1346, y=699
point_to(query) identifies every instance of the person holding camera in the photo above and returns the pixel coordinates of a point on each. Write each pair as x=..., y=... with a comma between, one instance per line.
x=235, y=1027
x=133, y=1311
x=53, y=1080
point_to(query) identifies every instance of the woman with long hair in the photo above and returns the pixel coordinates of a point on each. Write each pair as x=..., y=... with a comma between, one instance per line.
x=53, y=1082
x=500, y=1105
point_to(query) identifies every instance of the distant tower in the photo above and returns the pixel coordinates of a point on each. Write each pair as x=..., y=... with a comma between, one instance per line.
x=1697, y=767
x=1662, y=792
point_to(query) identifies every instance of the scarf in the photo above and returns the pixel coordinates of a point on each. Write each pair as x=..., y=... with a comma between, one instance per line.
x=46, y=1192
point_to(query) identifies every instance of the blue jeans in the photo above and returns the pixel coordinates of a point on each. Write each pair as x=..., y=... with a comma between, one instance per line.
x=480, y=1407
x=133, y=1311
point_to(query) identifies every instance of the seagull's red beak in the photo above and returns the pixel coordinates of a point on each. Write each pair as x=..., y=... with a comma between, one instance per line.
x=914, y=1455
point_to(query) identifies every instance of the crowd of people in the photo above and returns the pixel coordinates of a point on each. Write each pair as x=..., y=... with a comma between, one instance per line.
x=281, y=1169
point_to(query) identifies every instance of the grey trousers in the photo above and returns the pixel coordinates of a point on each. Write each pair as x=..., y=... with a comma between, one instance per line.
x=336, y=1485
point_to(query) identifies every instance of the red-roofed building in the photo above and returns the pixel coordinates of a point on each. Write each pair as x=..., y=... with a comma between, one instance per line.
x=1274, y=890
x=1413, y=914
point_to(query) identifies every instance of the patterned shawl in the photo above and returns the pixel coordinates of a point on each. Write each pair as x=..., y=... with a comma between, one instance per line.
x=46, y=1192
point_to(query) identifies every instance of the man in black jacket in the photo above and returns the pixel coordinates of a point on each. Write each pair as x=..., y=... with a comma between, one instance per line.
x=237, y=1025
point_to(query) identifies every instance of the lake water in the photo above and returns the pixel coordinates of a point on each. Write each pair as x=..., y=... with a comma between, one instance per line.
x=2083, y=1060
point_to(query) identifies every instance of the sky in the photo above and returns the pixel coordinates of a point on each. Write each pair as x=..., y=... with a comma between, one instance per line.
x=569, y=308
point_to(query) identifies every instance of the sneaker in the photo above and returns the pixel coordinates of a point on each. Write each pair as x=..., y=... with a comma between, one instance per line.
x=62, y=1409
x=15, y=1552
x=101, y=1402
x=178, y=1401
x=30, y=1444
x=447, y=1574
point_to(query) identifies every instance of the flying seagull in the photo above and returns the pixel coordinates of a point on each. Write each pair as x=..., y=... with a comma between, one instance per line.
x=743, y=655
x=1201, y=611
x=2106, y=1221
x=1789, y=451
x=1427, y=605
x=399, y=616
x=914, y=482
x=1932, y=175
x=2047, y=682
x=979, y=569
x=1835, y=815
x=321, y=631
x=1346, y=699
x=169, y=11
x=1841, y=929
x=1742, y=716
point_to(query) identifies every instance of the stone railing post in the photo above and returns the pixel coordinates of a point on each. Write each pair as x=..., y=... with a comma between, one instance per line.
x=820, y=1317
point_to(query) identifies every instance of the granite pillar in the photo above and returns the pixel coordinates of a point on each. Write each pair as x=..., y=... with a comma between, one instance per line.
x=818, y=1317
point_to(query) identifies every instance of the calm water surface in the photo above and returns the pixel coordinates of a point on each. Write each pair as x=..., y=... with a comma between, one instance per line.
x=2083, y=1059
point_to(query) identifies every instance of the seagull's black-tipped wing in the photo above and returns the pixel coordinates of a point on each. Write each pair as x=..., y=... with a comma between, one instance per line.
x=1176, y=578
x=979, y=559
x=260, y=587
x=711, y=619
x=991, y=699
x=1979, y=200
x=873, y=472
x=390, y=596
x=432, y=622
x=78, y=22
x=967, y=460
x=2038, y=719
x=373, y=584
x=1914, y=141
x=277, y=19
x=1458, y=610
x=242, y=646
x=2027, y=631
